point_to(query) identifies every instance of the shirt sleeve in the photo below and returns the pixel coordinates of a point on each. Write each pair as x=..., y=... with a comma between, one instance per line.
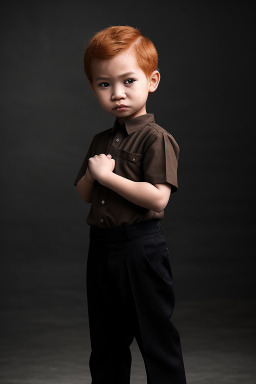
x=160, y=161
x=84, y=165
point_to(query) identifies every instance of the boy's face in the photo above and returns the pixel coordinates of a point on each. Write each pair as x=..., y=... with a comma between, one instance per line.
x=121, y=86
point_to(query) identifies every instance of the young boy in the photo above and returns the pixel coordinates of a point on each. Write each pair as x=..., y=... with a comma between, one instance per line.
x=127, y=176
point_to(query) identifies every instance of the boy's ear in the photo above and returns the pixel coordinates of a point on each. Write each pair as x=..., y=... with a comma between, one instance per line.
x=154, y=81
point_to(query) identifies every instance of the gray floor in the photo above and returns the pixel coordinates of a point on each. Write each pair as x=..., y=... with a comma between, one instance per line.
x=51, y=345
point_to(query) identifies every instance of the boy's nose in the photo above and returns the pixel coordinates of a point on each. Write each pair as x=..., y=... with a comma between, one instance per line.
x=118, y=93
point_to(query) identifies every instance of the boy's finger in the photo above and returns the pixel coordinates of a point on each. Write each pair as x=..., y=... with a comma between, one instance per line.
x=109, y=156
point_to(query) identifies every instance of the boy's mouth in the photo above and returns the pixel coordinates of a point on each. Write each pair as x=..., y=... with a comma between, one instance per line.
x=121, y=107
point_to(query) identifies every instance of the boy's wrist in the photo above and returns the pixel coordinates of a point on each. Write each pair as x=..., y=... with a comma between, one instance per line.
x=104, y=178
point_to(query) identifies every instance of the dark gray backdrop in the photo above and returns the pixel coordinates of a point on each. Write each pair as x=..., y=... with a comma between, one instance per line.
x=49, y=116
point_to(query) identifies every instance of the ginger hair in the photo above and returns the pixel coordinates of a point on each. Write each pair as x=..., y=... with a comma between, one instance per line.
x=113, y=40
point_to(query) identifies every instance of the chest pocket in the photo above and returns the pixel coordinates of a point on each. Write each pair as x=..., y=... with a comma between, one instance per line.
x=129, y=165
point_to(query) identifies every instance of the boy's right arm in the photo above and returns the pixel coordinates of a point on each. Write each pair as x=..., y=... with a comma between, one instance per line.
x=85, y=186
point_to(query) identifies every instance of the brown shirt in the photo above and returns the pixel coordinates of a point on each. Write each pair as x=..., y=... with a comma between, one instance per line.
x=143, y=151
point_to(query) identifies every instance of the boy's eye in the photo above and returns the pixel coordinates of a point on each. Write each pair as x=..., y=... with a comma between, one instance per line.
x=104, y=84
x=129, y=81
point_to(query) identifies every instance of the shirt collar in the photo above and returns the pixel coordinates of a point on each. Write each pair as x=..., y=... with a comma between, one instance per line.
x=136, y=123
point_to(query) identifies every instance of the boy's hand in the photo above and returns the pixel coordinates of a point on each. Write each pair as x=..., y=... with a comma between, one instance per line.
x=100, y=166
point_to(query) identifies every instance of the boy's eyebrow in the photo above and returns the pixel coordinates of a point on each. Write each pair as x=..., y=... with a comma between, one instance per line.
x=123, y=75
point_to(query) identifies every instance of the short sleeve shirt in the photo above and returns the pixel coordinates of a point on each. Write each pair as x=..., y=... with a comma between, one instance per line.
x=143, y=151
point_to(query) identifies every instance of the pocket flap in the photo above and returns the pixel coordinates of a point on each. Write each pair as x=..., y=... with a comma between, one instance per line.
x=133, y=157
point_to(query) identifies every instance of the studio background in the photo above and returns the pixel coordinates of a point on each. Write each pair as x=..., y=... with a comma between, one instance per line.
x=48, y=118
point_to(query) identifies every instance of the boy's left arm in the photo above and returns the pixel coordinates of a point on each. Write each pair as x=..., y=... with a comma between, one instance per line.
x=144, y=194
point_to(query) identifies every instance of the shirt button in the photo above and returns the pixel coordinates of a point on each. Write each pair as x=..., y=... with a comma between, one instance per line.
x=133, y=159
x=117, y=140
x=103, y=202
x=102, y=220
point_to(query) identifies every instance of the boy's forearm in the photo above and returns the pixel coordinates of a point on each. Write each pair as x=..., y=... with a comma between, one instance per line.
x=143, y=194
x=85, y=187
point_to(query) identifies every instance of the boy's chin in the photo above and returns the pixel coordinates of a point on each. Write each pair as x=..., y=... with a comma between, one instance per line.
x=122, y=115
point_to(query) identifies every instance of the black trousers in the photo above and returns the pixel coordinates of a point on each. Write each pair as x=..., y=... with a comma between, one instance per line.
x=130, y=294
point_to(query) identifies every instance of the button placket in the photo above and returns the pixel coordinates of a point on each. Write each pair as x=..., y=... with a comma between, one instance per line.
x=117, y=140
x=112, y=149
x=115, y=144
x=102, y=210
